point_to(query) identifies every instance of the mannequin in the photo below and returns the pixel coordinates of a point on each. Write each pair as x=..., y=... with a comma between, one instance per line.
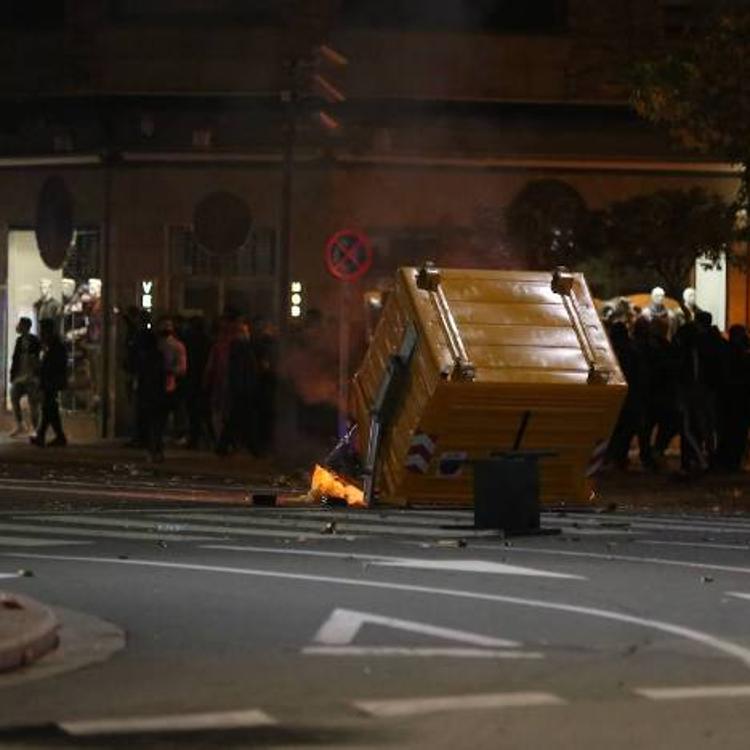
x=92, y=308
x=46, y=307
x=688, y=309
x=656, y=307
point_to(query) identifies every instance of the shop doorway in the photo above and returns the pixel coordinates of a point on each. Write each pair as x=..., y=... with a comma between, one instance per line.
x=71, y=297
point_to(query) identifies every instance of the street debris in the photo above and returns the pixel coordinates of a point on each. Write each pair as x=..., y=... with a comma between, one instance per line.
x=456, y=543
x=329, y=528
x=25, y=573
x=707, y=579
x=9, y=602
x=162, y=544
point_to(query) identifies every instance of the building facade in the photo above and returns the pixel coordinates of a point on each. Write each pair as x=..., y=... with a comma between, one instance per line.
x=145, y=108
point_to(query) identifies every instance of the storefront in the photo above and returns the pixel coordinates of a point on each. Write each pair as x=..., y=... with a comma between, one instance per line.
x=71, y=296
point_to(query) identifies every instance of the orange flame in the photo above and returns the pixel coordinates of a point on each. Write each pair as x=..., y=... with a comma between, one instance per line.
x=326, y=483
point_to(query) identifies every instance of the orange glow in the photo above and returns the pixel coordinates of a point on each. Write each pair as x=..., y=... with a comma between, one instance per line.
x=329, y=484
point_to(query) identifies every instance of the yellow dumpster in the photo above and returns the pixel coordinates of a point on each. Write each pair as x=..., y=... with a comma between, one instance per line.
x=460, y=360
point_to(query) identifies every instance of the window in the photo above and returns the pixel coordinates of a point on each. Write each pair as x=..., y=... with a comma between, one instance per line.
x=458, y=15
x=257, y=257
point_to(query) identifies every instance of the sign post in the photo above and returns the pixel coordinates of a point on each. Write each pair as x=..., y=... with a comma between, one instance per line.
x=348, y=257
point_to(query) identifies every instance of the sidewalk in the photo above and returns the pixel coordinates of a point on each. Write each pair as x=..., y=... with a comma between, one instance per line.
x=28, y=631
x=94, y=460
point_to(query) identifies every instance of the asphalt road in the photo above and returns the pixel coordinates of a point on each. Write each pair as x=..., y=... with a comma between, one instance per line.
x=272, y=627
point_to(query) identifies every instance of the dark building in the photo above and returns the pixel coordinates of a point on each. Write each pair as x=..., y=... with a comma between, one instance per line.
x=147, y=107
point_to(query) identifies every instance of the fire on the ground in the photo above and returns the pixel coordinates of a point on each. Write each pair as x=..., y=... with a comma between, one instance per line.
x=327, y=484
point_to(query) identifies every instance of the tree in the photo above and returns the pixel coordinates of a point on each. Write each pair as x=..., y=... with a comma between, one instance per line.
x=668, y=231
x=549, y=225
x=702, y=93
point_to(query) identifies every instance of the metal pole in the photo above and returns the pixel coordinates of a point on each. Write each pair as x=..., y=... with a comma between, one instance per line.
x=106, y=298
x=344, y=297
x=289, y=97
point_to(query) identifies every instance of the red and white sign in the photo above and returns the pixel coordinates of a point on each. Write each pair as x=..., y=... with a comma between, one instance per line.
x=348, y=255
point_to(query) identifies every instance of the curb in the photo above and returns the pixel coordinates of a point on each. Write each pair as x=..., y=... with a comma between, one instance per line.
x=28, y=631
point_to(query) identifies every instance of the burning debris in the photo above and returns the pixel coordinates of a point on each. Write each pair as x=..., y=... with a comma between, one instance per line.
x=327, y=485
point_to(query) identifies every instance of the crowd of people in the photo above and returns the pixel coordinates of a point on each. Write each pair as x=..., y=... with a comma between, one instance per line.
x=686, y=380
x=218, y=391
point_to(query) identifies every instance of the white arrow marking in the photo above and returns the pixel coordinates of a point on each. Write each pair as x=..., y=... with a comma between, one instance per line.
x=341, y=628
x=738, y=595
x=473, y=566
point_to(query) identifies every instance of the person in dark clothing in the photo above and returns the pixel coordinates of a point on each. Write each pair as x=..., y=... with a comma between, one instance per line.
x=266, y=354
x=734, y=401
x=198, y=347
x=630, y=414
x=151, y=394
x=240, y=423
x=53, y=377
x=663, y=407
x=24, y=375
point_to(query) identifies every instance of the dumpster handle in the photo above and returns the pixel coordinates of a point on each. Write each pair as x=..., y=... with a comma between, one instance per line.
x=562, y=284
x=428, y=279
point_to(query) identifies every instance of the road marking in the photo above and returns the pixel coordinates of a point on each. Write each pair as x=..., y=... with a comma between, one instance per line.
x=169, y=723
x=619, y=558
x=97, y=533
x=20, y=541
x=346, y=527
x=387, y=709
x=9, y=575
x=430, y=652
x=473, y=566
x=726, y=647
x=461, y=566
x=697, y=545
x=342, y=627
x=738, y=594
x=699, y=691
x=154, y=525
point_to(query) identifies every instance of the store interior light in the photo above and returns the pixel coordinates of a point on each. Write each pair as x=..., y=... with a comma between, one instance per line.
x=296, y=311
x=296, y=286
x=296, y=299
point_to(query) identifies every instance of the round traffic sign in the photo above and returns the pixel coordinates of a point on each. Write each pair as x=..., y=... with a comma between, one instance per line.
x=54, y=222
x=348, y=255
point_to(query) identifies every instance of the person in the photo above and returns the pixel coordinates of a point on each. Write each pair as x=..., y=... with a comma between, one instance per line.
x=24, y=375
x=734, y=401
x=240, y=423
x=197, y=346
x=53, y=376
x=630, y=417
x=150, y=394
x=656, y=309
x=175, y=365
x=266, y=354
x=216, y=374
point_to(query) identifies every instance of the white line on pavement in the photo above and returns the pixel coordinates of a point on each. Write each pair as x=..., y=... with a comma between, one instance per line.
x=460, y=566
x=620, y=558
x=697, y=636
x=168, y=723
x=699, y=691
x=154, y=525
x=695, y=545
x=416, y=706
x=9, y=575
x=738, y=595
x=344, y=527
x=341, y=628
x=21, y=541
x=429, y=651
x=97, y=533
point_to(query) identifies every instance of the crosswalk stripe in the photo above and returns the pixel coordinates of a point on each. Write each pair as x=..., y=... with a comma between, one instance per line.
x=21, y=541
x=112, y=534
x=168, y=723
x=223, y=531
x=698, y=691
x=416, y=706
x=344, y=527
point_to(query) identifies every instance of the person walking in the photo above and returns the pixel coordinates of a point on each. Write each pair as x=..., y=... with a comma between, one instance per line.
x=24, y=376
x=151, y=395
x=53, y=377
x=175, y=366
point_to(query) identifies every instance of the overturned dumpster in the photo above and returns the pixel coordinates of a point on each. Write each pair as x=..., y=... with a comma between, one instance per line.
x=467, y=363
